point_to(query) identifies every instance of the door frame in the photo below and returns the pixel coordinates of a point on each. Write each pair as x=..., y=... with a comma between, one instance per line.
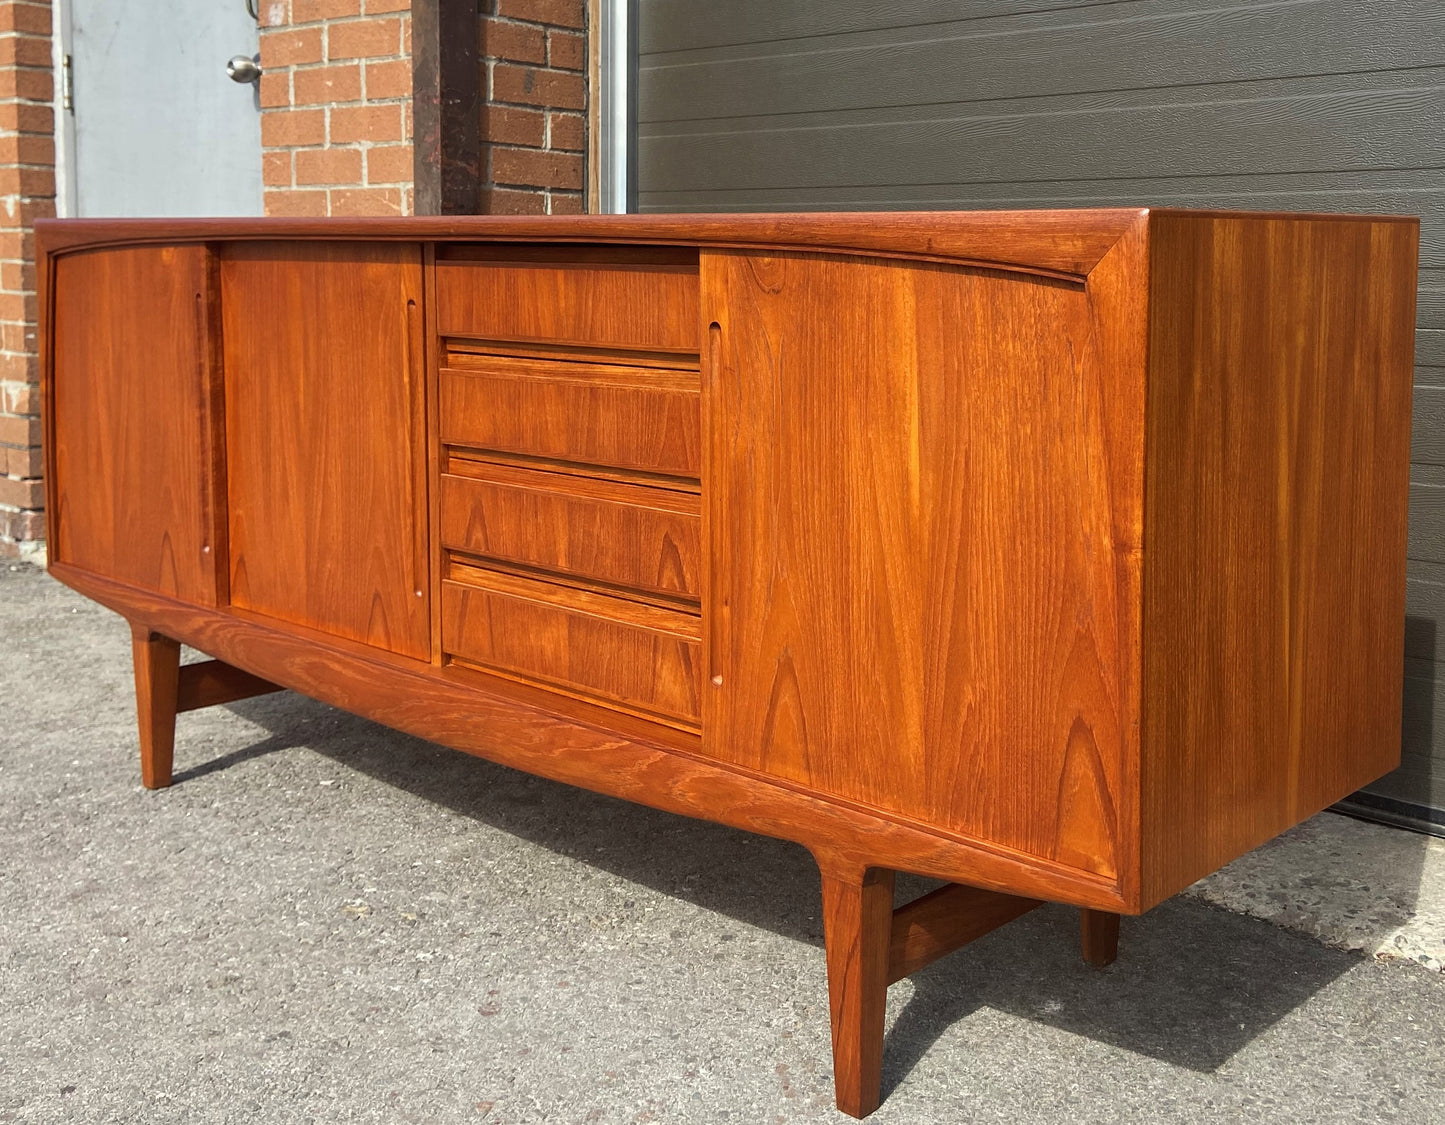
x=614, y=54
x=62, y=109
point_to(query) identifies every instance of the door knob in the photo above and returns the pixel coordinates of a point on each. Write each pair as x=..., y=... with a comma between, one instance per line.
x=243, y=69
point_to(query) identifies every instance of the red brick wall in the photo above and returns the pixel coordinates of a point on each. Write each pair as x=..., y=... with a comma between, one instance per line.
x=534, y=120
x=336, y=114
x=27, y=192
x=336, y=107
x=336, y=140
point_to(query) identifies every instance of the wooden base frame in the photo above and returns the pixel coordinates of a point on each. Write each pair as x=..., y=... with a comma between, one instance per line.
x=870, y=945
x=606, y=752
x=164, y=687
x=1101, y=937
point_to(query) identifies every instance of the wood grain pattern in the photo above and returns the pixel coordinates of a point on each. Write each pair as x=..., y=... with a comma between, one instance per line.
x=857, y=922
x=209, y=683
x=944, y=920
x=900, y=477
x=1117, y=373
x=1275, y=555
x=649, y=539
x=914, y=524
x=157, y=661
x=628, y=302
x=324, y=415
x=639, y=655
x=932, y=632
x=1059, y=242
x=590, y=413
x=459, y=352
x=135, y=398
x=436, y=455
x=580, y=744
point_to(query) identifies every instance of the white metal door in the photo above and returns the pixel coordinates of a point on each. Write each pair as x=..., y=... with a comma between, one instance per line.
x=158, y=126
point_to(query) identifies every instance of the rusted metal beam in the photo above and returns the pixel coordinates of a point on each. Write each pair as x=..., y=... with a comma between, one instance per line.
x=447, y=107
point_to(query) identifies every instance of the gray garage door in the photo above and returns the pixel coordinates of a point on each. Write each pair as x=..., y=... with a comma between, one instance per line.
x=1312, y=105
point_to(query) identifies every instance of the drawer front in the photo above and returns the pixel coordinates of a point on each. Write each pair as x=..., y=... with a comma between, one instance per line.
x=648, y=539
x=611, y=652
x=629, y=302
x=593, y=414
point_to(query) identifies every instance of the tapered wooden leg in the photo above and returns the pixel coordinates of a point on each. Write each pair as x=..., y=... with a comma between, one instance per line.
x=857, y=926
x=157, y=674
x=1101, y=937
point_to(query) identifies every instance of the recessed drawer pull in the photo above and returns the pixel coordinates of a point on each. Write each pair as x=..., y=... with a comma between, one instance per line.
x=626, y=302
x=645, y=658
x=648, y=539
x=583, y=413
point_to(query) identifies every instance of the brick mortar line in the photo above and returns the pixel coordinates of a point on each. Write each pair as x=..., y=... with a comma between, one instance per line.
x=540, y=108
x=510, y=146
x=544, y=68
x=357, y=60
x=532, y=25
x=308, y=106
x=302, y=106
x=334, y=21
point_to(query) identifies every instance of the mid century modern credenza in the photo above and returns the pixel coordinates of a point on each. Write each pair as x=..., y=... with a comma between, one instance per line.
x=1057, y=555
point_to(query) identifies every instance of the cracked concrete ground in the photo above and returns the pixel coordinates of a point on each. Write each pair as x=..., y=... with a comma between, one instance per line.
x=326, y=921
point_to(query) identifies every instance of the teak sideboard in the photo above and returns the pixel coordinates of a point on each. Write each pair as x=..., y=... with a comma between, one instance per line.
x=1056, y=555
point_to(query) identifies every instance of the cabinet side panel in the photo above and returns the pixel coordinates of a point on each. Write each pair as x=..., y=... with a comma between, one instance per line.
x=915, y=594
x=133, y=490
x=1277, y=483
x=324, y=400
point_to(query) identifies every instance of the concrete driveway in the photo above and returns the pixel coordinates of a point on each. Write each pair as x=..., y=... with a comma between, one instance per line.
x=325, y=921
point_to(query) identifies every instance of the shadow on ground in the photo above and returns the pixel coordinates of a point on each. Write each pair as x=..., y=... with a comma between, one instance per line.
x=1193, y=984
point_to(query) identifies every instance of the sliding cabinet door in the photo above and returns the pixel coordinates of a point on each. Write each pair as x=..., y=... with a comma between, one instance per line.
x=132, y=415
x=325, y=438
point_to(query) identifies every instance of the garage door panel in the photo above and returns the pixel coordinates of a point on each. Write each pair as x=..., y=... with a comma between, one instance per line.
x=1339, y=130
x=1109, y=48
x=1427, y=436
x=1424, y=615
x=1427, y=520
x=1430, y=311
x=1430, y=347
x=666, y=25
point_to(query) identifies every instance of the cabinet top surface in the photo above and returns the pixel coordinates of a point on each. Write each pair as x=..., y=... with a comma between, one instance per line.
x=1069, y=242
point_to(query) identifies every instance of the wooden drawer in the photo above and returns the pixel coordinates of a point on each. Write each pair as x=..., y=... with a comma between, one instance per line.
x=648, y=539
x=640, y=656
x=637, y=298
x=648, y=419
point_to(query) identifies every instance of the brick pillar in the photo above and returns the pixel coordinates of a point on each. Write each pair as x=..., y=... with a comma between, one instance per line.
x=336, y=107
x=27, y=192
x=534, y=120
